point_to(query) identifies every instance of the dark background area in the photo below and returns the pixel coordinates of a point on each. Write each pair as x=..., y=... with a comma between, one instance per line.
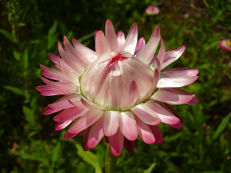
x=29, y=30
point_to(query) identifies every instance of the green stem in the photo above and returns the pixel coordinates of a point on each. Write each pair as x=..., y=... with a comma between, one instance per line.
x=110, y=161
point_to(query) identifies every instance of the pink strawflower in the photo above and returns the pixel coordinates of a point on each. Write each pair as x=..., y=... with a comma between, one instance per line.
x=225, y=45
x=119, y=91
x=152, y=10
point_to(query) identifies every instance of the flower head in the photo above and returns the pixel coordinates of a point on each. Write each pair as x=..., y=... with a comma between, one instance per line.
x=119, y=91
x=225, y=45
x=152, y=10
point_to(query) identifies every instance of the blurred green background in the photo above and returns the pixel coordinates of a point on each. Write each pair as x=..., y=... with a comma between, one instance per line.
x=30, y=29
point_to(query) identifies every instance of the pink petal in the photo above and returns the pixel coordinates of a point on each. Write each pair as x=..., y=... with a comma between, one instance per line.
x=55, y=59
x=120, y=40
x=140, y=44
x=95, y=134
x=147, y=52
x=62, y=103
x=172, y=55
x=145, y=132
x=116, y=143
x=152, y=10
x=174, y=96
x=131, y=40
x=179, y=72
x=157, y=133
x=177, y=77
x=129, y=145
x=69, y=60
x=141, y=82
x=128, y=125
x=84, y=51
x=225, y=45
x=145, y=114
x=111, y=122
x=69, y=114
x=84, y=122
x=85, y=139
x=101, y=45
x=56, y=88
x=53, y=74
x=60, y=126
x=165, y=115
x=177, y=126
x=117, y=90
x=111, y=36
x=74, y=54
x=170, y=82
x=161, y=52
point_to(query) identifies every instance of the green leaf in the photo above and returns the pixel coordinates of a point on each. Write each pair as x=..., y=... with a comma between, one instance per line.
x=52, y=36
x=17, y=55
x=25, y=59
x=35, y=157
x=89, y=157
x=7, y=34
x=15, y=90
x=222, y=126
x=86, y=37
x=55, y=153
x=29, y=115
x=150, y=168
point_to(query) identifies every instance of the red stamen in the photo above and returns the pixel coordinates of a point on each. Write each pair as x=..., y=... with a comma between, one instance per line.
x=116, y=58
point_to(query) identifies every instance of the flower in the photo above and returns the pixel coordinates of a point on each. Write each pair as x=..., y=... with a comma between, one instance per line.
x=152, y=10
x=225, y=45
x=119, y=91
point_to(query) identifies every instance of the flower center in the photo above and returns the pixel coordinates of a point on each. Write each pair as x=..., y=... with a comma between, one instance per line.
x=117, y=82
x=228, y=43
x=118, y=57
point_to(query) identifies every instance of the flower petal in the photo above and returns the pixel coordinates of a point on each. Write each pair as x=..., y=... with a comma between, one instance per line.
x=69, y=114
x=84, y=122
x=147, y=52
x=174, y=96
x=111, y=122
x=120, y=40
x=101, y=45
x=161, y=52
x=172, y=55
x=177, y=126
x=111, y=36
x=145, y=132
x=116, y=143
x=55, y=59
x=62, y=103
x=129, y=145
x=69, y=60
x=145, y=114
x=84, y=51
x=53, y=74
x=157, y=133
x=177, y=77
x=56, y=88
x=128, y=125
x=131, y=40
x=179, y=72
x=60, y=126
x=74, y=53
x=95, y=134
x=166, y=116
x=140, y=44
x=225, y=45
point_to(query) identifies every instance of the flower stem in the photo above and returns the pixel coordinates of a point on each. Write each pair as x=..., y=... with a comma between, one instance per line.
x=110, y=161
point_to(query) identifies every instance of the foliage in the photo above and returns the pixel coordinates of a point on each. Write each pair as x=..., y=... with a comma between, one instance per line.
x=29, y=30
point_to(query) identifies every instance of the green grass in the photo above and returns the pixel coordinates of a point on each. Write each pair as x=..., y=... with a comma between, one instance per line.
x=29, y=30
